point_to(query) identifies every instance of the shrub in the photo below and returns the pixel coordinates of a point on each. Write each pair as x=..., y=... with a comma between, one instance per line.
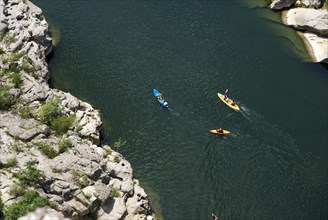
x=50, y=111
x=30, y=69
x=62, y=124
x=16, y=79
x=6, y=99
x=80, y=178
x=28, y=203
x=1, y=207
x=47, y=150
x=17, y=147
x=25, y=112
x=30, y=176
x=16, y=56
x=117, y=159
x=13, y=68
x=11, y=162
x=56, y=170
x=114, y=192
x=64, y=145
x=17, y=190
x=107, y=152
x=35, y=76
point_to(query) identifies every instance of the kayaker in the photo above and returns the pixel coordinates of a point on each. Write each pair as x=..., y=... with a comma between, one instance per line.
x=220, y=130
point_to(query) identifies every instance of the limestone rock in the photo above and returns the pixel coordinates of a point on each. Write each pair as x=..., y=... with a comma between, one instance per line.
x=317, y=47
x=306, y=19
x=114, y=209
x=43, y=214
x=24, y=129
x=309, y=3
x=32, y=90
x=90, y=122
x=281, y=4
x=138, y=204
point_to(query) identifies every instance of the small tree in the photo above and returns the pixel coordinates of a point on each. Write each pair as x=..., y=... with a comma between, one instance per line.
x=28, y=203
x=50, y=111
x=6, y=99
x=62, y=124
x=30, y=176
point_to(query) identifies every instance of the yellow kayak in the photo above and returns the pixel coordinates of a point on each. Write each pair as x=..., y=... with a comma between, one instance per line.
x=229, y=102
x=216, y=132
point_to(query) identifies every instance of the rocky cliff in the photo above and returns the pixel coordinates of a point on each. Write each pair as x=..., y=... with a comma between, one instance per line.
x=310, y=18
x=50, y=155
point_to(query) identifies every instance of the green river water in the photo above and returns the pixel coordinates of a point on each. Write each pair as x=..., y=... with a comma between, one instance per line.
x=273, y=165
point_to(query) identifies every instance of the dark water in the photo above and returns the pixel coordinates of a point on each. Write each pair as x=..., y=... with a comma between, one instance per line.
x=273, y=165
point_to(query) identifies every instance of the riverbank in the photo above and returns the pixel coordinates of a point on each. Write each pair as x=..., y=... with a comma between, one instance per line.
x=310, y=19
x=49, y=139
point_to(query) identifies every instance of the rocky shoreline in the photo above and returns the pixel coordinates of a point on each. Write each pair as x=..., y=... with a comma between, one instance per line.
x=50, y=155
x=310, y=19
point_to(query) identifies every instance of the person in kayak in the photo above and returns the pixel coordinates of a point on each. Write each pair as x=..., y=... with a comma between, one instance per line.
x=159, y=97
x=220, y=130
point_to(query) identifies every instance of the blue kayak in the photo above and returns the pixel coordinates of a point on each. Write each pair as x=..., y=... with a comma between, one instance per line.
x=160, y=98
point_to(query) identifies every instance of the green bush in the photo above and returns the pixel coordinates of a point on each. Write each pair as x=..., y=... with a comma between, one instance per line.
x=50, y=111
x=56, y=170
x=47, y=150
x=17, y=147
x=64, y=145
x=16, y=56
x=16, y=79
x=17, y=190
x=13, y=68
x=117, y=159
x=114, y=192
x=29, y=202
x=1, y=207
x=25, y=112
x=6, y=99
x=11, y=162
x=35, y=76
x=30, y=176
x=30, y=69
x=62, y=124
x=80, y=178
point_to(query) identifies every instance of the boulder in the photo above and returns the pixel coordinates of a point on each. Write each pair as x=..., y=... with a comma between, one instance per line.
x=281, y=4
x=317, y=47
x=114, y=209
x=24, y=129
x=138, y=203
x=307, y=19
x=43, y=214
x=33, y=90
x=309, y=3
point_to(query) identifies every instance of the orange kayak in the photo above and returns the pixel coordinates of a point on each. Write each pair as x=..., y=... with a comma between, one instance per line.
x=214, y=131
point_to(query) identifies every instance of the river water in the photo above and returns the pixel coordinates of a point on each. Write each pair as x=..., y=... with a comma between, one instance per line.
x=272, y=166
